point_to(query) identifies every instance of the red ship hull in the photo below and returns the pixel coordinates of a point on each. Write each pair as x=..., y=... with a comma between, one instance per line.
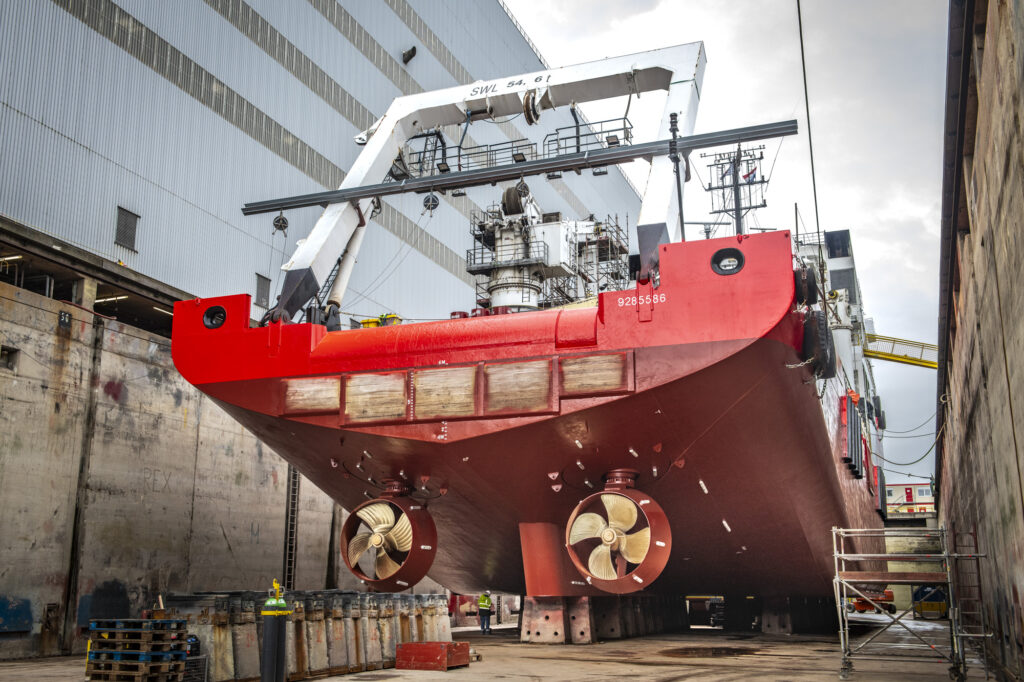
x=691, y=383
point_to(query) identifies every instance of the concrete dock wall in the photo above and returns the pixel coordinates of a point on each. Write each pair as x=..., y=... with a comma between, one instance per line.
x=120, y=482
x=980, y=481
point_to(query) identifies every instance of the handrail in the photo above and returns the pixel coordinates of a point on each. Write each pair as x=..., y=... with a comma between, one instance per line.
x=901, y=350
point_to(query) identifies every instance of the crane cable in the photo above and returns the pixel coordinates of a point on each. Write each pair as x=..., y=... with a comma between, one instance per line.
x=906, y=464
x=902, y=473
x=888, y=431
x=810, y=147
x=807, y=109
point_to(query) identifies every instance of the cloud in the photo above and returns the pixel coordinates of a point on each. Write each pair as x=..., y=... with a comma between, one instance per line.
x=876, y=79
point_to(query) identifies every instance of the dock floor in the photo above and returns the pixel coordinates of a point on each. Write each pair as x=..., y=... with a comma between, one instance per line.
x=700, y=654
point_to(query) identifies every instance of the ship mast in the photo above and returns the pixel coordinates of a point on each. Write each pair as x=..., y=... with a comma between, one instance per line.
x=737, y=182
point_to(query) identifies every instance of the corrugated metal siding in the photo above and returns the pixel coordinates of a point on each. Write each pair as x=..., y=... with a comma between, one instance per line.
x=183, y=113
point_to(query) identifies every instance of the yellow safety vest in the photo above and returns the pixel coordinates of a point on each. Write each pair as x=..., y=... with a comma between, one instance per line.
x=484, y=602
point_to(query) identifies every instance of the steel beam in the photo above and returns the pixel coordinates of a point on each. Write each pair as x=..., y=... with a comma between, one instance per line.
x=489, y=176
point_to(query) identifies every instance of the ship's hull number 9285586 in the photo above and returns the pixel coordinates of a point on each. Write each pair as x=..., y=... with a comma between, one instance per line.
x=645, y=299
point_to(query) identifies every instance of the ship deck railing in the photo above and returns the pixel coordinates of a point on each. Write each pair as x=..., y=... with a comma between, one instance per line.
x=425, y=155
x=613, y=132
x=481, y=260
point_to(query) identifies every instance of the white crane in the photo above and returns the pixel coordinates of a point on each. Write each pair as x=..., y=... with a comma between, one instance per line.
x=678, y=70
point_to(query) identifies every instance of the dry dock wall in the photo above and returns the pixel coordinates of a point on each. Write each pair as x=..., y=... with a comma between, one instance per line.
x=982, y=327
x=119, y=482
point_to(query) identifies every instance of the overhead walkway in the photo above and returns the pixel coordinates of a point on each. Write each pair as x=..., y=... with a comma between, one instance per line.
x=901, y=350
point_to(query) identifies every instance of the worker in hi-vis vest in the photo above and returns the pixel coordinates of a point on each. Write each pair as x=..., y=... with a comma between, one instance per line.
x=483, y=607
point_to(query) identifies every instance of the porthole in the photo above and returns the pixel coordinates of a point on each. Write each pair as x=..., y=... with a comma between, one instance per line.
x=727, y=261
x=214, y=317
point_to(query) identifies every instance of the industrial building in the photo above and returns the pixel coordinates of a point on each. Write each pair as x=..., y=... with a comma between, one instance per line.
x=909, y=499
x=131, y=133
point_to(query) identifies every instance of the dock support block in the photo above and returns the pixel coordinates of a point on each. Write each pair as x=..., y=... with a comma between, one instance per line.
x=585, y=620
x=789, y=615
x=545, y=620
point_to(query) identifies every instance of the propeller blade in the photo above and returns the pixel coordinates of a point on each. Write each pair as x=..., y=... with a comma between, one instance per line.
x=379, y=517
x=586, y=526
x=600, y=563
x=634, y=547
x=356, y=546
x=621, y=511
x=400, y=536
x=385, y=566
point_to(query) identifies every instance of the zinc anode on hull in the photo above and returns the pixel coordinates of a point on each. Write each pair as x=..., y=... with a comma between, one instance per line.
x=708, y=399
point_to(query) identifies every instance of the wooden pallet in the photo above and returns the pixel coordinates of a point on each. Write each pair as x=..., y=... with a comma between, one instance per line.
x=135, y=667
x=137, y=624
x=142, y=676
x=137, y=635
x=137, y=650
x=129, y=645
x=139, y=656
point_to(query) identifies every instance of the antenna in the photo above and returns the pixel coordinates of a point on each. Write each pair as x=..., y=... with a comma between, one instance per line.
x=737, y=182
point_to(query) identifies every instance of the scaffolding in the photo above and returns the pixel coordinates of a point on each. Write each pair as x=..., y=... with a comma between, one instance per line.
x=596, y=261
x=602, y=254
x=959, y=570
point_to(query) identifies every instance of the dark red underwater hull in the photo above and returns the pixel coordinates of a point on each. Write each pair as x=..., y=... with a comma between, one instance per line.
x=729, y=440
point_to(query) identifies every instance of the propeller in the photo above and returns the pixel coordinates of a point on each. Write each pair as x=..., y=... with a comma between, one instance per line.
x=621, y=515
x=385, y=535
x=401, y=535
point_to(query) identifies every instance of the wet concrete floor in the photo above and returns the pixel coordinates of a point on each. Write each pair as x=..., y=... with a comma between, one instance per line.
x=700, y=654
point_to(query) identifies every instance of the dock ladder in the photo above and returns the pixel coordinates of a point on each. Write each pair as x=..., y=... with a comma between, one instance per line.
x=969, y=602
x=957, y=575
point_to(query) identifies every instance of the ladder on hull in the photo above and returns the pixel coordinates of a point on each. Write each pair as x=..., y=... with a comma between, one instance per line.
x=960, y=570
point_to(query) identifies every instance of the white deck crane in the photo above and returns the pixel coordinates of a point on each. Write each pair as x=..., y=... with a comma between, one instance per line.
x=339, y=231
x=338, y=234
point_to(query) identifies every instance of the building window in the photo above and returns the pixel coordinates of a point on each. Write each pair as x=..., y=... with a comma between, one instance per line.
x=924, y=492
x=262, y=291
x=889, y=492
x=127, y=224
x=9, y=358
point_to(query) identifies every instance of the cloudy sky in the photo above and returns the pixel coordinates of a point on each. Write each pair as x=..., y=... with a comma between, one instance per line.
x=876, y=80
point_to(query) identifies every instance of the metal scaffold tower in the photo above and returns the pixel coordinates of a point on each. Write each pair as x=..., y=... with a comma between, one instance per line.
x=958, y=579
